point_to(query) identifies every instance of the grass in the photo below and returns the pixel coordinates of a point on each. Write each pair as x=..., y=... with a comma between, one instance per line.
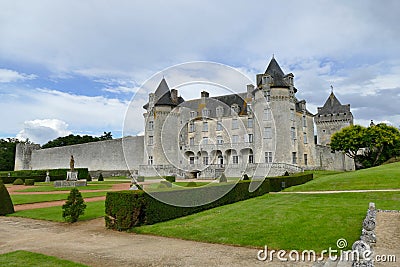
x=25, y=258
x=26, y=199
x=382, y=177
x=184, y=184
x=45, y=187
x=93, y=210
x=281, y=221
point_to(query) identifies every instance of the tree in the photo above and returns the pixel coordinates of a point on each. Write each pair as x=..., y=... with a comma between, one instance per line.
x=7, y=153
x=6, y=205
x=76, y=139
x=368, y=146
x=74, y=206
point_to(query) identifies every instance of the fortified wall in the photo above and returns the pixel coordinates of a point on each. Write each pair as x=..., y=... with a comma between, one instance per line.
x=103, y=155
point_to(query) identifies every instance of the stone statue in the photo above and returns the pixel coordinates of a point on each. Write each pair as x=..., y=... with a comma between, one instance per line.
x=72, y=164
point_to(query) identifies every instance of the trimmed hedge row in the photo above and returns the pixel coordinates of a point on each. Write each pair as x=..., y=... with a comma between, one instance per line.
x=40, y=175
x=127, y=209
x=288, y=181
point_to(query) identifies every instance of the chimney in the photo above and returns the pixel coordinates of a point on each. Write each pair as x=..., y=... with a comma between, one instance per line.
x=204, y=94
x=174, y=95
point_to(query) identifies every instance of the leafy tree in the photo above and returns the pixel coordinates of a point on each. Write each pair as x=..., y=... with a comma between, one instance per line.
x=378, y=143
x=74, y=206
x=76, y=139
x=7, y=153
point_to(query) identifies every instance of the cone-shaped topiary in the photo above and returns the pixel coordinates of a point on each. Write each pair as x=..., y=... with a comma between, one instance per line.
x=74, y=206
x=6, y=205
x=101, y=178
x=222, y=178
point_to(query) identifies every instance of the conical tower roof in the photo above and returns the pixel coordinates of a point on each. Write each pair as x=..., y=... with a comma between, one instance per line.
x=333, y=105
x=274, y=69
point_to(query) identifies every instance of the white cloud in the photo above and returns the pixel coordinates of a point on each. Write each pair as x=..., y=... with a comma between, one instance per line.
x=8, y=76
x=41, y=131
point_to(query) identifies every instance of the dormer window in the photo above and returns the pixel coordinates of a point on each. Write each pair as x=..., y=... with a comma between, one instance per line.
x=220, y=111
x=205, y=112
x=234, y=109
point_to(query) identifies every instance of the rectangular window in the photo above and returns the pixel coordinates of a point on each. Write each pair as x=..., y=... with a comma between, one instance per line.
x=250, y=138
x=191, y=141
x=235, y=139
x=205, y=140
x=205, y=126
x=151, y=125
x=191, y=160
x=235, y=124
x=294, y=158
x=219, y=126
x=267, y=95
x=251, y=158
x=304, y=121
x=268, y=132
x=220, y=111
x=150, y=143
x=192, y=127
x=235, y=159
x=192, y=114
x=293, y=133
x=150, y=160
x=268, y=157
x=205, y=112
x=250, y=123
x=220, y=141
x=292, y=114
x=305, y=159
x=267, y=114
x=205, y=160
x=305, y=138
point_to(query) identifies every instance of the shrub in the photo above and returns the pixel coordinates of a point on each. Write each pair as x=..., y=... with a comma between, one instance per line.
x=18, y=181
x=74, y=206
x=127, y=209
x=29, y=181
x=101, y=178
x=140, y=179
x=6, y=206
x=222, y=178
x=161, y=185
x=89, y=178
x=170, y=178
x=296, y=179
x=246, y=177
x=191, y=184
x=166, y=184
x=286, y=173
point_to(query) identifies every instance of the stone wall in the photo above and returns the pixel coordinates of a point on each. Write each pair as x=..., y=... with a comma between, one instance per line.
x=326, y=160
x=104, y=155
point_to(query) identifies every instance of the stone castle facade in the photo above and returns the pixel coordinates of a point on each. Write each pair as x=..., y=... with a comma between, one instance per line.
x=263, y=131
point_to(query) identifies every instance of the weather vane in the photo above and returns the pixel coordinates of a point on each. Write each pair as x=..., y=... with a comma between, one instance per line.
x=331, y=88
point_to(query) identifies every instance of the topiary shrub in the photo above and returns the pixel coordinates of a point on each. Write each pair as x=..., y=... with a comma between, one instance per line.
x=6, y=206
x=170, y=178
x=74, y=206
x=29, y=181
x=101, y=178
x=18, y=181
x=191, y=184
x=161, y=185
x=286, y=173
x=166, y=183
x=245, y=177
x=140, y=179
x=222, y=178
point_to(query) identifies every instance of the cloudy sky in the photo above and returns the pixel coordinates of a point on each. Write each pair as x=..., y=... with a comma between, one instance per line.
x=74, y=66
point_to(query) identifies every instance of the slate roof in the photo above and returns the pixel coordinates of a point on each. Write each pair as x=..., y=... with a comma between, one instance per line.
x=162, y=96
x=333, y=105
x=277, y=74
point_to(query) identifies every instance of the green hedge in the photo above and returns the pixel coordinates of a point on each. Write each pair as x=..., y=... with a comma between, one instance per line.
x=296, y=179
x=127, y=209
x=29, y=181
x=40, y=175
x=170, y=179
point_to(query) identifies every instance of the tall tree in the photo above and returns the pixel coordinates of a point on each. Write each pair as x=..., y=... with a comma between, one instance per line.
x=76, y=139
x=7, y=153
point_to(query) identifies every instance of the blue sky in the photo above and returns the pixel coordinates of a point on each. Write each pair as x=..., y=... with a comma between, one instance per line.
x=74, y=66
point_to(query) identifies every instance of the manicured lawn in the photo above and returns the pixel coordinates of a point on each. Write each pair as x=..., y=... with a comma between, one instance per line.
x=93, y=210
x=26, y=199
x=184, y=184
x=25, y=258
x=381, y=177
x=48, y=188
x=281, y=221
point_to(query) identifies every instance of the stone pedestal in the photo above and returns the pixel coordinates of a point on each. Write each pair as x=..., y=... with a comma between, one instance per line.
x=62, y=183
x=72, y=176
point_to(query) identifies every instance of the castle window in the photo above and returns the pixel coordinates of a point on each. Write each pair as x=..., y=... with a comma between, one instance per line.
x=251, y=158
x=205, y=160
x=305, y=159
x=235, y=159
x=220, y=111
x=191, y=141
x=294, y=158
x=268, y=157
x=292, y=114
x=235, y=124
x=235, y=139
x=293, y=133
x=250, y=138
x=205, y=140
x=304, y=121
x=192, y=127
x=151, y=125
x=205, y=126
x=305, y=138
x=268, y=132
x=248, y=108
x=150, y=141
x=220, y=140
x=205, y=112
x=234, y=109
x=250, y=123
x=219, y=126
x=191, y=160
x=192, y=114
x=267, y=114
x=267, y=95
x=150, y=160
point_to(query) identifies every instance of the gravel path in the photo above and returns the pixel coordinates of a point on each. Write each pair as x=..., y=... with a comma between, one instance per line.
x=388, y=237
